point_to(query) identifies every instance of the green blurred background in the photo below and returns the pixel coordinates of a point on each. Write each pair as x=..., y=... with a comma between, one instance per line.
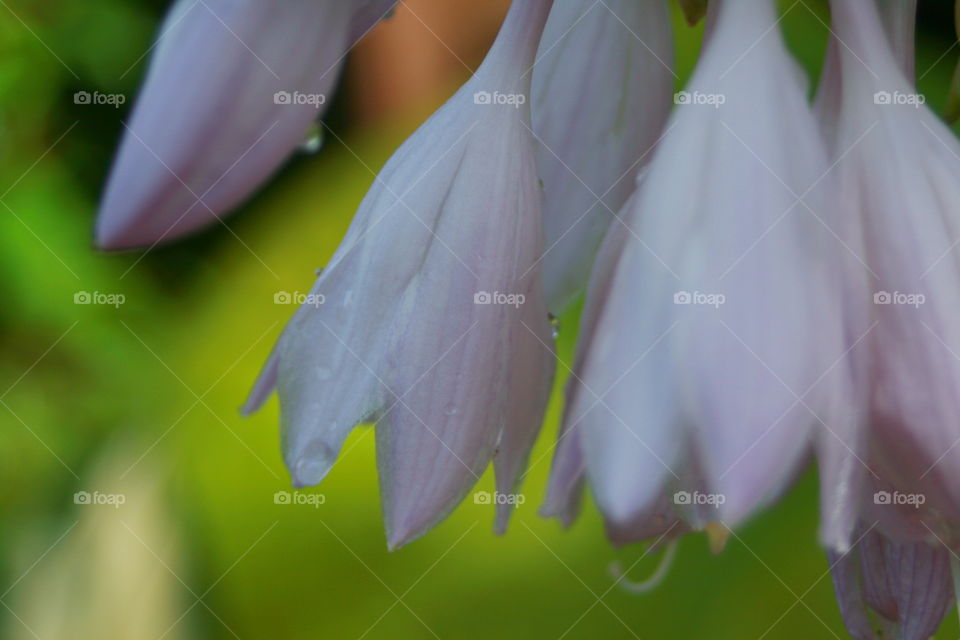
x=141, y=400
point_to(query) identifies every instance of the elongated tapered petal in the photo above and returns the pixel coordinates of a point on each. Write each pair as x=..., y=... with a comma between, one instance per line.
x=601, y=93
x=432, y=322
x=689, y=377
x=530, y=382
x=565, y=489
x=231, y=91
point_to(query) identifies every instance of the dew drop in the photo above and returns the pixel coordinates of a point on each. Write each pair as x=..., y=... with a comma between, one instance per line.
x=313, y=141
x=451, y=409
x=555, y=324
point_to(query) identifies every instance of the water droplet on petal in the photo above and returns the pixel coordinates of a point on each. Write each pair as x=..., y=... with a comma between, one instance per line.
x=555, y=323
x=313, y=141
x=451, y=409
x=313, y=463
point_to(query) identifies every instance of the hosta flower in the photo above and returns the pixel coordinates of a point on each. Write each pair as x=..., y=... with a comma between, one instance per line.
x=897, y=172
x=769, y=280
x=689, y=396
x=602, y=90
x=232, y=90
x=432, y=322
x=902, y=220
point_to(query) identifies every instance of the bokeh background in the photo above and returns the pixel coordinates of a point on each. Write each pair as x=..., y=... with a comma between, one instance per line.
x=140, y=400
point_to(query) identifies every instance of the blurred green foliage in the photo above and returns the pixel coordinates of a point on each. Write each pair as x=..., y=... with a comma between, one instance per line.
x=120, y=399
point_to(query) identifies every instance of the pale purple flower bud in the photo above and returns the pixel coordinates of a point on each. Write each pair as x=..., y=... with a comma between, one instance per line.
x=232, y=89
x=688, y=381
x=602, y=91
x=432, y=321
x=906, y=586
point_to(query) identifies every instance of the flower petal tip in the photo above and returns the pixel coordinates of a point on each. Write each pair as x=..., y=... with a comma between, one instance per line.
x=113, y=233
x=502, y=518
x=402, y=536
x=564, y=511
x=113, y=237
x=264, y=386
x=313, y=465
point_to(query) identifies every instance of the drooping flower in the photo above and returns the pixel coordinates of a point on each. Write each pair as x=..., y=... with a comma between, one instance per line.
x=429, y=319
x=690, y=395
x=736, y=317
x=898, y=168
x=602, y=89
x=232, y=89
